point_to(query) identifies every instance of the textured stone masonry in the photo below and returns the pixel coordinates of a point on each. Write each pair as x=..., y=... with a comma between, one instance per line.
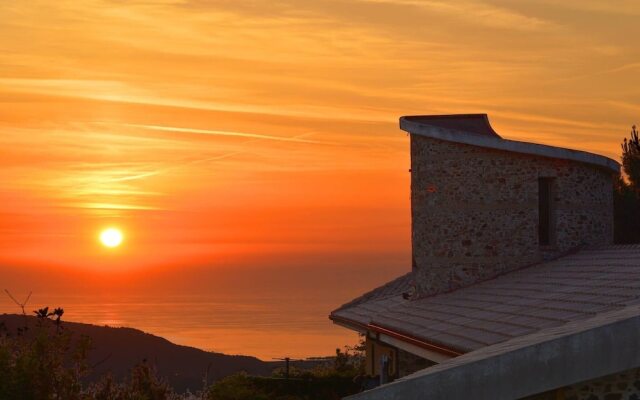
x=622, y=386
x=475, y=211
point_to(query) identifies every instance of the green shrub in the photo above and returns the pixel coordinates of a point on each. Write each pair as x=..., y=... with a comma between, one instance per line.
x=42, y=362
x=45, y=362
x=308, y=387
x=143, y=384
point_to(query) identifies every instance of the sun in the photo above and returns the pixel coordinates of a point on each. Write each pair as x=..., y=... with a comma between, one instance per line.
x=111, y=237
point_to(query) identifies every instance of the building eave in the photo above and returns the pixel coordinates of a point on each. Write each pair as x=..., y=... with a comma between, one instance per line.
x=443, y=352
x=349, y=324
x=415, y=341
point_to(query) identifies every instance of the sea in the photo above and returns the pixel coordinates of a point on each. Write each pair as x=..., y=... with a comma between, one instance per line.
x=265, y=327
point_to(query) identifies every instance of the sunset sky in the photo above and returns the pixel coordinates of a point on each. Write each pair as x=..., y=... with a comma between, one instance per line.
x=240, y=135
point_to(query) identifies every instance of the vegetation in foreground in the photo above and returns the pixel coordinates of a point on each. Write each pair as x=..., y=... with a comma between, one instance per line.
x=627, y=192
x=46, y=362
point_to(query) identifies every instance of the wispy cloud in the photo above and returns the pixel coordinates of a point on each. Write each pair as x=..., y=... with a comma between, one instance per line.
x=114, y=206
x=295, y=139
x=619, y=7
x=477, y=13
x=217, y=105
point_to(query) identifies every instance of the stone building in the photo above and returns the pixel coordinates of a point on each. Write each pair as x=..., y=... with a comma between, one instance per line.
x=516, y=289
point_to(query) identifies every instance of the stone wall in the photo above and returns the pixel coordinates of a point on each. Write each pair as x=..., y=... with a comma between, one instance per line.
x=475, y=211
x=622, y=386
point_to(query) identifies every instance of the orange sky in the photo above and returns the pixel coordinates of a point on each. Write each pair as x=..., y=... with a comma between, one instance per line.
x=265, y=132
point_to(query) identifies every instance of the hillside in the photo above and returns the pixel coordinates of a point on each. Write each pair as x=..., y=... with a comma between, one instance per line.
x=116, y=350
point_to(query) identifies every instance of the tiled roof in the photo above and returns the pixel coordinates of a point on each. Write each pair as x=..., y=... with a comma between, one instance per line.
x=363, y=308
x=572, y=288
x=591, y=348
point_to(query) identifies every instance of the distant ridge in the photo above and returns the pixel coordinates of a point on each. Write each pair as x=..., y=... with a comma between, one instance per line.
x=117, y=350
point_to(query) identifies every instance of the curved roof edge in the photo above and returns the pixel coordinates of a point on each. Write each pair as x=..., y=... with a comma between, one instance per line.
x=475, y=130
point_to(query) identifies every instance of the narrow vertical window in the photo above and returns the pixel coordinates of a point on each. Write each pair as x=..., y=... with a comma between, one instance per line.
x=545, y=211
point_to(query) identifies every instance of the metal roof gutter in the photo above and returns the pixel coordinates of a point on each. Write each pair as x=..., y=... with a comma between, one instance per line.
x=433, y=347
x=416, y=342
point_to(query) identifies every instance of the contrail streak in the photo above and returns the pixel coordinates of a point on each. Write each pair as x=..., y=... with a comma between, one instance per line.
x=161, y=128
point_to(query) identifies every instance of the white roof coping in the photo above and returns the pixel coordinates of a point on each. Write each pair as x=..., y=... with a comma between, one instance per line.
x=475, y=130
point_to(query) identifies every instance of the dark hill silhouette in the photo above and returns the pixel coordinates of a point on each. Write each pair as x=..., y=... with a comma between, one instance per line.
x=117, y=350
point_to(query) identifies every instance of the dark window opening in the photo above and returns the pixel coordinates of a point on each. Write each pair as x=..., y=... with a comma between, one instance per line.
x=545, y=211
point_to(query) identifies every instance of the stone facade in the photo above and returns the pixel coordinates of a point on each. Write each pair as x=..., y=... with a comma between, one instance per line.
x=475, y=211
x=622, y=386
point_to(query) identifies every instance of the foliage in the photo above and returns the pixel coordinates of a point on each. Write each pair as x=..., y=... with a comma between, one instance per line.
x=308, y=387
x=627, y=194
x=236, y=387
x=333, y=379
x=45, y=362
x=143, y=384
x=631, y=158
x=351, y=361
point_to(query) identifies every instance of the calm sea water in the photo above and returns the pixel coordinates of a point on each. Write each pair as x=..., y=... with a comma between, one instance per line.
x=261, y=311
x=264, y=327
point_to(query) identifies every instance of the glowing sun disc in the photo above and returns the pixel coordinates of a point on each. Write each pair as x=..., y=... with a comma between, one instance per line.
x=111, y=237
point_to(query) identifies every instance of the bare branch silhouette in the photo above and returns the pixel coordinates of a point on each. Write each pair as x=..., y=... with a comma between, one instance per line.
x=22, y=306
x=19, y=304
